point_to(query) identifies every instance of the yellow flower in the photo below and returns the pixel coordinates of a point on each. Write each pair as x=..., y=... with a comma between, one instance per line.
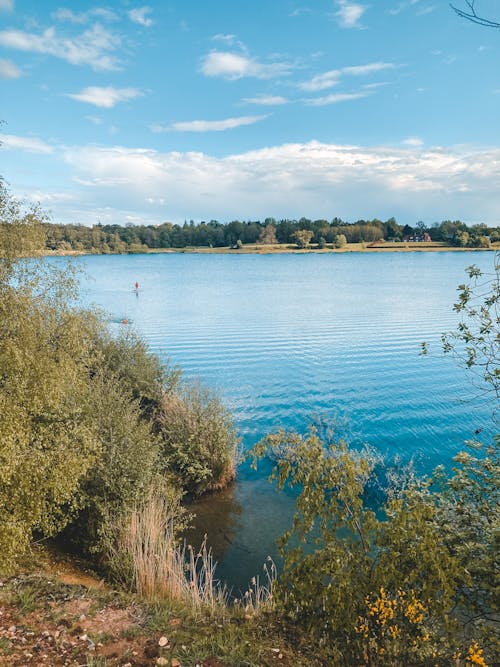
x=475, y=656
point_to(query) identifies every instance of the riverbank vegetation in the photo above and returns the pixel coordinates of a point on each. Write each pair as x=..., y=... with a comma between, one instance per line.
x=99, y=443
x=88, y=422
x=302, y=233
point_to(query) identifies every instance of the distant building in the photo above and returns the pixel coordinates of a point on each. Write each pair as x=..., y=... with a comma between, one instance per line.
x=418, y=237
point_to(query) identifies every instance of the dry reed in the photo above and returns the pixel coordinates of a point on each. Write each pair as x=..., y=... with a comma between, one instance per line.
x=259, y=597
x=162, y=568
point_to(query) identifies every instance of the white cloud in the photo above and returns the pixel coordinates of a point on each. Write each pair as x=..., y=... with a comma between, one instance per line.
x=29, y=144
x=332, y=77
x=227, y=39
x=423, y=11
x=65, y=14
x=6, y=5
x=322, y=81
x=215, y=125
x=299, y=11
x=93, y=47
x=321, y=180
x=402, y=6
x=50, y=198
x=232, y=66
x=8, y=70
x=140, y=16
x=266, y=100
x=105, y=97
x=413, y=141
x=349, y=13
x=335, y=98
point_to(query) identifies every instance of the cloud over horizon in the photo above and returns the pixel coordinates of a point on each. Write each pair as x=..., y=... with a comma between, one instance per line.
x=314, y=179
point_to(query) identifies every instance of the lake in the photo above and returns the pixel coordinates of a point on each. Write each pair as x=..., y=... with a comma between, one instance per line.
x=288, y=338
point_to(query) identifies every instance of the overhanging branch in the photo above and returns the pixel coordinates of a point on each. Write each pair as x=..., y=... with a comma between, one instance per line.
x=471, y=15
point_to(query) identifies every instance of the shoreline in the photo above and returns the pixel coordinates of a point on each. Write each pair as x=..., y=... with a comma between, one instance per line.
x=284, y=249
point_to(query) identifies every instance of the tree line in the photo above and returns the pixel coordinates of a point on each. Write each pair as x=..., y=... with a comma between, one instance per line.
x=303, y=232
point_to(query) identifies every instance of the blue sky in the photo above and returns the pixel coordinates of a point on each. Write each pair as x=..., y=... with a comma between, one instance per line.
x=124, y=112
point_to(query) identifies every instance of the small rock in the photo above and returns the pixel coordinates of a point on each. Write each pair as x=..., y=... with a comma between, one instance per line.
x=12, y=628
x=82, y=617
x=161, y=661
x=83, y=638
x=163, y=641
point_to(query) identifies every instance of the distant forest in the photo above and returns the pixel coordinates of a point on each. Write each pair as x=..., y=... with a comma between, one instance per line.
x=134, y=238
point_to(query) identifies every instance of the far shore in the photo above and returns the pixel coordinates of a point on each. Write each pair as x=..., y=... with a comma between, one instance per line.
x=284, y=248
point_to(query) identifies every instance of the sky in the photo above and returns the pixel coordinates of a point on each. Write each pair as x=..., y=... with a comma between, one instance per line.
x=123, y=112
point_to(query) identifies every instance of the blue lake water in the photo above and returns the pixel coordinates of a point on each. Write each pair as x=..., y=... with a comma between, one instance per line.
x=285, y=338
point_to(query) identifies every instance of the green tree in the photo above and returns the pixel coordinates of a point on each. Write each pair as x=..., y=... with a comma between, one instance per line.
x=476, y=341
x=46, y=349
x=303, y=237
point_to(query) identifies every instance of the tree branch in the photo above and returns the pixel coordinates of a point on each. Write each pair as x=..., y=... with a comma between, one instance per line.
x=471, y=15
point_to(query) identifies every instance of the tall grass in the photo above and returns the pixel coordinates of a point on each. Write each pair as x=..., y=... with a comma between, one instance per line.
x=162, y=568
x=260, y=596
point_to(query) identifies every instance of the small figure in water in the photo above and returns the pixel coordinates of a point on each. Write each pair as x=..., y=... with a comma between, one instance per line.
x=136, y=286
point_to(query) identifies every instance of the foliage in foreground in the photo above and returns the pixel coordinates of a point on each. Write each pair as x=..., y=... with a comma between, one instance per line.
x=408, y=584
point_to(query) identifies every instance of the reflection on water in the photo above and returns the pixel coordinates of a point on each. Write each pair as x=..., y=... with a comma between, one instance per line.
x=216, y=516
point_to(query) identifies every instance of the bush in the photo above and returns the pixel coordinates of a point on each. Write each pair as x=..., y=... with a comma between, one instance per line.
x=124, y=470
x=198, y=442
x=46, y=442
x=340, y=241
x=378, y=588
x=141, y=372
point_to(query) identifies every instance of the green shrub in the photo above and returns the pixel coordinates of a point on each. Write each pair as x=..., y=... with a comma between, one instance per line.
x=141, y=372
x=46, y=443
x=198, y=442
x=356, y=562
x=125, y=468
